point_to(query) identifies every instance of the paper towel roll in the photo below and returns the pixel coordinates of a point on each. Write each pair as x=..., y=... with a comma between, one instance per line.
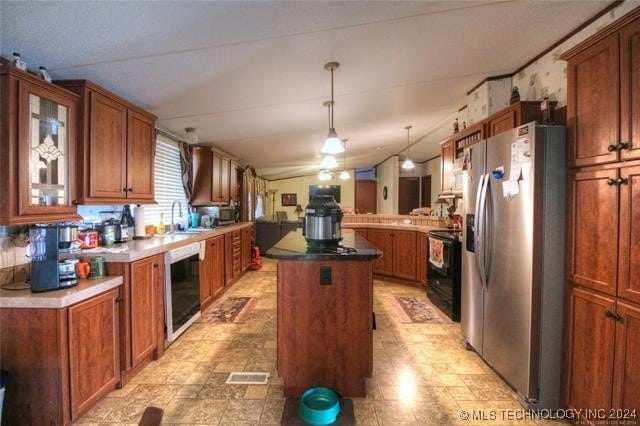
x=138, y=216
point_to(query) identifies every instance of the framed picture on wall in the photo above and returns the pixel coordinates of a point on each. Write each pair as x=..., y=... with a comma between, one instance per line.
x=289, y=199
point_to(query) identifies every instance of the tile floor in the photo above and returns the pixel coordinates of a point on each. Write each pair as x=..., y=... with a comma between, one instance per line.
x=422, y=373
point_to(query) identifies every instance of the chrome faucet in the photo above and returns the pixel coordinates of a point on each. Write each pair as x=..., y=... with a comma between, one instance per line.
x=173, y=223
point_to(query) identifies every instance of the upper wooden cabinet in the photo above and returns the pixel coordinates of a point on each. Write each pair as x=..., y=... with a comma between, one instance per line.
x=38, y=150
x=117, y=147
x=234, y=182
x=603, y=95
x=211, y=177
x=513, y=116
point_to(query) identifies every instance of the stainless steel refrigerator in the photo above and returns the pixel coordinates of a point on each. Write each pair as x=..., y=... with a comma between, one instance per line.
x=513, y=257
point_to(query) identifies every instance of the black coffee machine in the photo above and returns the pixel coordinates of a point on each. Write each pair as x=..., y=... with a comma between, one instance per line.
x=46, y=271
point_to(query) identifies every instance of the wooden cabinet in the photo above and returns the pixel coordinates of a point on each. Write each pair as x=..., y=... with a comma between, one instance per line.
x=422, y=257
x=602, y=95
x=247, y=237
x=212, y=271
x=94, y=357
x=602, y=319
x=515, y=115
x=232, y=256
x=381, y=239
x=62, y=361
x=446, y=164
x=234, y=182
x=211, y=177
x=590, y=350
x=142, y=317
x=404, y=254
x=116, y=147
x=220, y=179
x=363, y=232
x=398, y=252
x=38, y=123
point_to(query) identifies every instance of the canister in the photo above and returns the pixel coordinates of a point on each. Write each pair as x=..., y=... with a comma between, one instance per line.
x=96, y=267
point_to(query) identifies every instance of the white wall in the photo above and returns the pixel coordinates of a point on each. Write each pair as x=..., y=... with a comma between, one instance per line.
x=300, y=186
x=388, y=174
x=432, y=167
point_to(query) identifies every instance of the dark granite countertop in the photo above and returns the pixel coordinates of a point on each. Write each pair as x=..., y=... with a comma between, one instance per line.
x=294, y=247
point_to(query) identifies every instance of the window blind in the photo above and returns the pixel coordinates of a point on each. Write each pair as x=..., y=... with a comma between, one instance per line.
x=167, y=185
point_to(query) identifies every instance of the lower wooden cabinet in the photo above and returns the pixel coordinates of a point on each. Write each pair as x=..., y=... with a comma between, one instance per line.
x=422, y=257
x=246, y=247
x=62, y=361
x=94, y=358
x=233, y=256
x=142, y=317
x=602, y=352
x=398, y=249
x=212, y=271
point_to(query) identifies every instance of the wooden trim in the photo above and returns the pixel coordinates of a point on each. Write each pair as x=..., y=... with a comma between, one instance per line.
x=490, y=78
x=7, y=69
x=602, y=34
x=462, y=108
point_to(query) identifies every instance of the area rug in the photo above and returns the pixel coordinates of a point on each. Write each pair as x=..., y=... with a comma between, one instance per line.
x=229, y=310
x=414, y=310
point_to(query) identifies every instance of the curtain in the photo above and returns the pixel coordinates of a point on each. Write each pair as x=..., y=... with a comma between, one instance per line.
x=186, y=166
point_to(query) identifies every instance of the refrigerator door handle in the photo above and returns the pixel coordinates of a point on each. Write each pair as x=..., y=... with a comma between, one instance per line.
x=483, y=226
x=479, y=254
x=488, y=228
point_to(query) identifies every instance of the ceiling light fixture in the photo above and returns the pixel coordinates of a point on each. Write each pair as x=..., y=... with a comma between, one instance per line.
x=408, y=164
x=329, y=162
x=324, y=175
x=190, y=135
x=332, y=144
x=344, y=174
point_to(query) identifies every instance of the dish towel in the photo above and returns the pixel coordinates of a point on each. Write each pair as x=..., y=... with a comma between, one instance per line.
x=436, y=248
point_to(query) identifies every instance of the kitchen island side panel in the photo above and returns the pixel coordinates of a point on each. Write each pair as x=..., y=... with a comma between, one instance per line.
x=325, y=335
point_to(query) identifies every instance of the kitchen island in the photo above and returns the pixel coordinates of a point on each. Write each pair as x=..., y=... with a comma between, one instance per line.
x=325, y=314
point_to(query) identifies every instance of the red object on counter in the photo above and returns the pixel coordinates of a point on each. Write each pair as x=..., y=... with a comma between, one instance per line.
x=88, y=239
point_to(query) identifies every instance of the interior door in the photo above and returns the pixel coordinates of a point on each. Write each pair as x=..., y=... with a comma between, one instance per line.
x=408, y=194
x=472, y=292
x=425, y=188
x=366, y=196
x=508, y=242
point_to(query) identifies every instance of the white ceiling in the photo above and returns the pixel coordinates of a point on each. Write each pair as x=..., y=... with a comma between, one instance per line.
x=249, y=76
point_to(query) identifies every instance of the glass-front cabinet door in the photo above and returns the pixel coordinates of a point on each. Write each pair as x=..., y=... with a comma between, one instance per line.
x=46, y=140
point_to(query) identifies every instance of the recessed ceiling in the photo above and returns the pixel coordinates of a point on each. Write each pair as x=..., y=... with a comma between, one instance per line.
x=249, y=76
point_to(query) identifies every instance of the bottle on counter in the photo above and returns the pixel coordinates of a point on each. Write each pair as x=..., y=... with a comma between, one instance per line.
x=160, y=227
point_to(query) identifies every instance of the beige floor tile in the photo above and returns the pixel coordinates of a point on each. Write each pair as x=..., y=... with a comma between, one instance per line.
x=256, y=392
x=248, y=411
x=194, y=411
x=393, y=412
x=272, y=412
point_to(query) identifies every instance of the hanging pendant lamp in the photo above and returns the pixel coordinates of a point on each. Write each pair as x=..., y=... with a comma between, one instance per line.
x=329, y=162
x=408, y=164
x=324, y=175
x=344, y=174
x=332, y=144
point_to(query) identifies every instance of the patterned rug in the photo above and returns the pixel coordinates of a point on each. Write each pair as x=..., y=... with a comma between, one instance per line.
x=414, y=310
x=229, y=310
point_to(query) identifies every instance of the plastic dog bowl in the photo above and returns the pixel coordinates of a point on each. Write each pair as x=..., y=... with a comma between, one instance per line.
x=319, y=406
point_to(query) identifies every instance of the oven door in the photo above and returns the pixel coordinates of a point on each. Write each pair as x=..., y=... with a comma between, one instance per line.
x=182, y=288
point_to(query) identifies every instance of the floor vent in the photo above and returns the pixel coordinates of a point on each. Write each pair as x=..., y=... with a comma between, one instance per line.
x=247, y=378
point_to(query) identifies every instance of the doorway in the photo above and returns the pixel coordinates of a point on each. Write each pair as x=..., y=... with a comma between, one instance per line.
x=408, y=194
x=426, y=191
x=365, y=196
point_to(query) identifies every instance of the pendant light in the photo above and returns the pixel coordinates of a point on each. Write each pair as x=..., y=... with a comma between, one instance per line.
x=332, y=144
x=344, y=174
x=329, y=162
x=324, y=175
x=408, y=164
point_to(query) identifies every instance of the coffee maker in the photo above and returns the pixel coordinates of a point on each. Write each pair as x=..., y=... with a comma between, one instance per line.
x=46, y=271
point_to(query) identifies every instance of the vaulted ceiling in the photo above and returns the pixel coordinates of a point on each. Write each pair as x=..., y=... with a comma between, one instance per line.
x=249, y=76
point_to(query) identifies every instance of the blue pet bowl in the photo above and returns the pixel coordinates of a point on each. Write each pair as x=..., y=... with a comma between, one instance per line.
x=319, y=406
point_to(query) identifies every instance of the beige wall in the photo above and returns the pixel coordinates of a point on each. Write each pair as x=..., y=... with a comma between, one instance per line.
x=432, y=167
x=300, y=186
x=388, y=173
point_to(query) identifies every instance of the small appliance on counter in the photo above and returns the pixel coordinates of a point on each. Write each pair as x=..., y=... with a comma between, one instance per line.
x=226, y=216
x=322, y=223
x=47, y=273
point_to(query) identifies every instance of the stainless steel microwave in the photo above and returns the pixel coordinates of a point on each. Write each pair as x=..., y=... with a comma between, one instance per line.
x=226, y=215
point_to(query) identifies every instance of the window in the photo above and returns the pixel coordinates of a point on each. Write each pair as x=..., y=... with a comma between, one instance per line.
x=167, y=185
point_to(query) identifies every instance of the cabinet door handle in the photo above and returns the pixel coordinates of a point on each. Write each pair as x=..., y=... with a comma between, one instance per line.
x=612, y=148
x=616, y=316
x=155, y=265
x=613, y=315
x=117, y=300
x=621, y=146
x=608, y=314
x=125, y=189
x=130, y=189
x=621, y=181
x=611, y=181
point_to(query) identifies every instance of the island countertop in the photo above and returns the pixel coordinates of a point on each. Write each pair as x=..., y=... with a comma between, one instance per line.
x=294, y=247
